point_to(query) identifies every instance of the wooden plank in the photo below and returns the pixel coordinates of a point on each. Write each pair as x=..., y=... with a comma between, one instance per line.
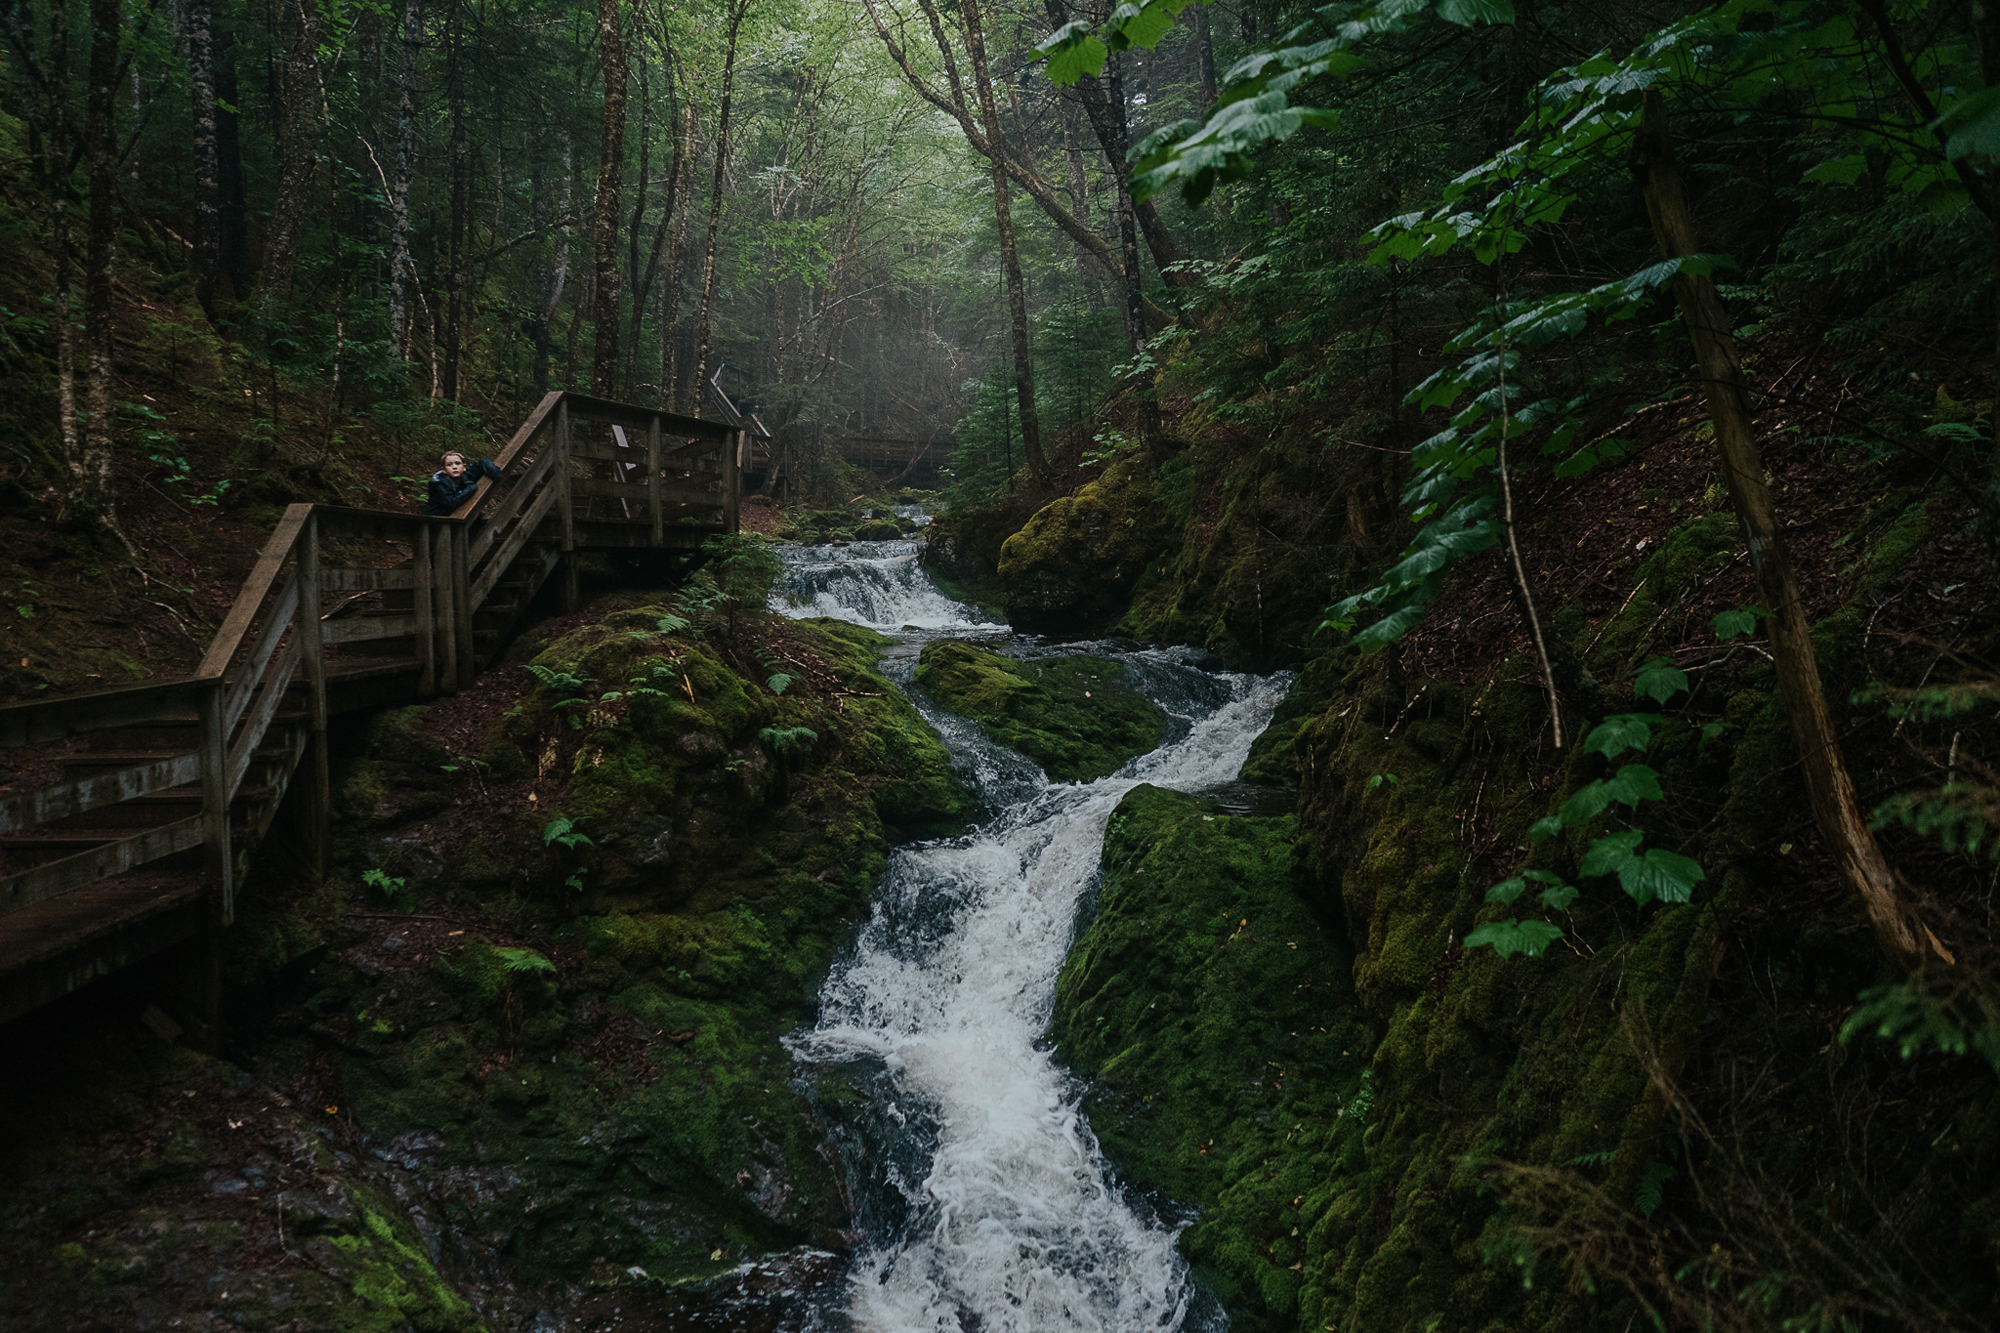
x=85, y=868
x=518, y=494
x=587, y=408
x=45, y=720
x=482, y=587
x=367, y=580
x=426, y=625
x=732, y=483
x=102, y=789
x=669, y=493
x=244, y=680
x=653, y=477
x=468, y=663
x=243, y=611
x=218, y=864
x=340, y=522
x=358, y=629
x=277, y=679
x=448, y=593
x=530, y=428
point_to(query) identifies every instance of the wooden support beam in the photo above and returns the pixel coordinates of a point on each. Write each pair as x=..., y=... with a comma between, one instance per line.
x=426, y=626
x=315, y=824
x=653, y=477
x=218, y=865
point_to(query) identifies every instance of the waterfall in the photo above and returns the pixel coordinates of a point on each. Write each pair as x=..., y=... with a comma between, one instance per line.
x=983, y=1200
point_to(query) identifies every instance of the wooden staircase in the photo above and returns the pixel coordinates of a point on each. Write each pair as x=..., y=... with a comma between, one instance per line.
x=165, y=788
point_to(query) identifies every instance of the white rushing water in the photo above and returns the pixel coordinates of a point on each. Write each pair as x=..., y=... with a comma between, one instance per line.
x=992, y=1207
x=876, y=584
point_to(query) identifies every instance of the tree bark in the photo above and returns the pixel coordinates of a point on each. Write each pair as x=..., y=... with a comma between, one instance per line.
x=298, y=85
x=459, y=150
x=402, y=269
x=209, y=276
x=1135, y=308
x=1829, y=790
x=1010, y=259
x=737, y=9
x=604, y=215
x=91, y=471
x=677, y=245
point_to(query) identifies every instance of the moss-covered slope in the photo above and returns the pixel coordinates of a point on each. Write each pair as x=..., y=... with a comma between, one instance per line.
x=1210, y=1012
x=1075, y=716
x=628, y=869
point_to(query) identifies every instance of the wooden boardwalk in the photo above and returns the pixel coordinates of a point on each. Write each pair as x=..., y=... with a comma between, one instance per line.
x=158, y=792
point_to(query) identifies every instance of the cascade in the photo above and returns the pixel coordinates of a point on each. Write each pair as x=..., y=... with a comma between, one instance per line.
x=982, y=1200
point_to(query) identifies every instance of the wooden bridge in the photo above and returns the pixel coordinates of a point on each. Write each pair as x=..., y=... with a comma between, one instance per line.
x=151, y=796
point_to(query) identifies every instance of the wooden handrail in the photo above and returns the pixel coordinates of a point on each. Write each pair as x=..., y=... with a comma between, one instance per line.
x=271, y=639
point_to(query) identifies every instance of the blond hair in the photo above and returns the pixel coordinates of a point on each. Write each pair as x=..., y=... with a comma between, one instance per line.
x=450, y=454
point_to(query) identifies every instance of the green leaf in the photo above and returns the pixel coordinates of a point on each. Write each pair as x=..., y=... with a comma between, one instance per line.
x=779, y=681
x=1558, y=897
x=523, y=960
x=1508, y=938
x=1667, y=876
x=1467, y=13
x=1729, y=624
x=1545, y=828
x=1073, y=51
x=1507, y=890
x=1839, y=171
x=1659, y=680
x=1632, y=784
x=1974, y=125
x=1621, y=732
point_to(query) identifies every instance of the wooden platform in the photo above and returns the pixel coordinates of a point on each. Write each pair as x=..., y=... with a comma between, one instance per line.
x=153, y=796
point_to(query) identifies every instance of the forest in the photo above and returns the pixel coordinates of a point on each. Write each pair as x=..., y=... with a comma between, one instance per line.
x=1558, y=441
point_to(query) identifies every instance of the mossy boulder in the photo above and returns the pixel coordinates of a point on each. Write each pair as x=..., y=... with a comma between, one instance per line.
x=1075, y=716
x=1069, y=572
x=1212, y=1014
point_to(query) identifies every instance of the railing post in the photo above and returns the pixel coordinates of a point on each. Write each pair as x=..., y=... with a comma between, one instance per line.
x=218, y=865
x=447, y=605
x=571, y=595
x=653, y=482
x=461, y=598
x=732, y=480
x=426, y=626
x=316, y=798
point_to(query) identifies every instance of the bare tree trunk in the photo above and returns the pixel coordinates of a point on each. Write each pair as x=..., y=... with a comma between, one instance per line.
x=298, y=84
x=208, y=269
x=1135, y=304
x=604, y=214
x=91, y=471
x=737, y=9
x=459, y=150
x=1829, y=790
x=1079, y=197
x=402, y=269
x=677, y=248
x=637, y=282
x=1010, y=259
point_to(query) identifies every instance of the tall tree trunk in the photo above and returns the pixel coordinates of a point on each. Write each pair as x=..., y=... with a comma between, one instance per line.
x=737, y=9
x=1829, y=790
x=232, y=209
x=1128, y=243
x=402, y=269
x=1079, y=197
x=604, y=213
x=1010, y=259
x=638, y=283
x=92, y=470
x=298, y=87
x=646, y=281
x=459, y=151
x=677, y=248
x=209, y=275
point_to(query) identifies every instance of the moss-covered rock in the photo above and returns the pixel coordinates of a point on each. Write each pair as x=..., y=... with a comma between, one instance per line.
x=1074, y=715
x=1213, y=1015
x=1069, y=572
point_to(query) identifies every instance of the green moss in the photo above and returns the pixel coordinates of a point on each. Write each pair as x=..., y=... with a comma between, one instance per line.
x=1074, y=716
x=1209, y=1010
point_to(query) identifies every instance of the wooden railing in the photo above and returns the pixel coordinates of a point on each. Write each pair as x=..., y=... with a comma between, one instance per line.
x=564, y=487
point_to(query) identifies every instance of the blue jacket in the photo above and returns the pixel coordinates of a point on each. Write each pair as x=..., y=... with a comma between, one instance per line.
x=447, y=494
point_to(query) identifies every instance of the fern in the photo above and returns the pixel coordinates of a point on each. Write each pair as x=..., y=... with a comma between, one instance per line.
x=523, y=961
x=562, y=832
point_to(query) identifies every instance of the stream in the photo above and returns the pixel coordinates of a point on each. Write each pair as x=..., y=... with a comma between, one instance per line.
x=981, y=1199
x=980, y=1193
